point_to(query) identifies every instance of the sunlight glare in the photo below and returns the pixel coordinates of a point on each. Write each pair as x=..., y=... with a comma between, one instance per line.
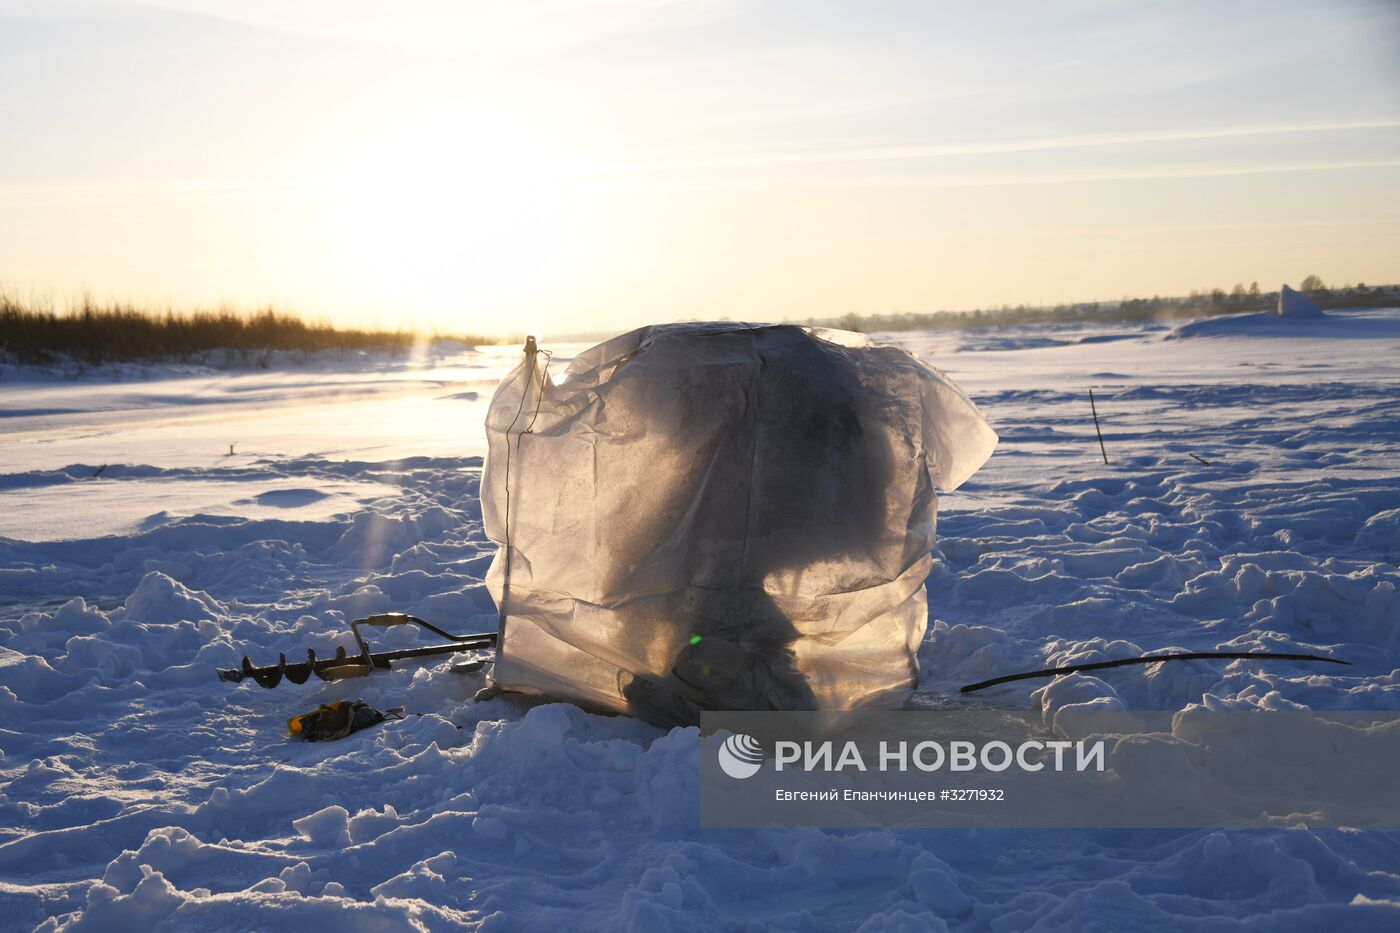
x=453, y=215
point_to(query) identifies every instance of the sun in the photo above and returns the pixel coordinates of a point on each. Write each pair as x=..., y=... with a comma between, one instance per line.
x=450, y=216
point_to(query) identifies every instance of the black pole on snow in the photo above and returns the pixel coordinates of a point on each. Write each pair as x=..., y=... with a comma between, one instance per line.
x=1153, y=659
x=1095, y=409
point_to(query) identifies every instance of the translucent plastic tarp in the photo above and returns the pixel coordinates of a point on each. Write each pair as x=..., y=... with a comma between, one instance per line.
x=720, y=516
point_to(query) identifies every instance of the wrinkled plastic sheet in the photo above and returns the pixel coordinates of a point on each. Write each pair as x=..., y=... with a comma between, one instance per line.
x=720, y=516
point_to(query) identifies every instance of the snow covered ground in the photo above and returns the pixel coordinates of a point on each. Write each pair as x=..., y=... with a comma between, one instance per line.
x=136, y=790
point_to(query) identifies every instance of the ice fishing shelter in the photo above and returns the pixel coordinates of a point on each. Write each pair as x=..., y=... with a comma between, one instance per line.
x=720, y=516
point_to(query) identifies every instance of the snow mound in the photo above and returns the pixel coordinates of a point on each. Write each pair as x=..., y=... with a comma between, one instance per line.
x=158, y=598
x=1294, y=320
x=1296, y=305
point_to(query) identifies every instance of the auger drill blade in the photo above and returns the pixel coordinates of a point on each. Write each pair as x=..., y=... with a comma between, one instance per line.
x=298, y=673
x=343, y=665
x=268, y=677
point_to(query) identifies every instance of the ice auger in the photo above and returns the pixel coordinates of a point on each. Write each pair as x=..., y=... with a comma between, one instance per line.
x=343, y=665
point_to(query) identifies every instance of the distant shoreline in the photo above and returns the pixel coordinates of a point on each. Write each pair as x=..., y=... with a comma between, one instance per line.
x=1195, y=305
x=95, y=334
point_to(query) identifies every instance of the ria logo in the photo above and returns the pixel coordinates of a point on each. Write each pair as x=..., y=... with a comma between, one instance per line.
x=740, y=756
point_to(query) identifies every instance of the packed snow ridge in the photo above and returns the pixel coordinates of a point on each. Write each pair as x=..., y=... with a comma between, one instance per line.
x=1294, y=304
x=1252, y=501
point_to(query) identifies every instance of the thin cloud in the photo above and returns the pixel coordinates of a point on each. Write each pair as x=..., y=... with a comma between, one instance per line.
x=313, y=189
x=1147, y=174
x=194, y=189
x=1119, y=230
x=931, y=181
x=984, y=147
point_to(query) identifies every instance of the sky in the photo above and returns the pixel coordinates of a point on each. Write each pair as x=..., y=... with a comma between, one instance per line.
x=595, y=165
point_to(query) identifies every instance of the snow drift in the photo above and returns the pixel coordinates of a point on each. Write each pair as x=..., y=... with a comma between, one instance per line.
x=721, y=516
x=1296, y=305
x=139, y=794
x=1295, y=318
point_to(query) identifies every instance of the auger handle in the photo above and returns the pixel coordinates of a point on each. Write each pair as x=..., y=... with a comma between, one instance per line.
x=388, y=620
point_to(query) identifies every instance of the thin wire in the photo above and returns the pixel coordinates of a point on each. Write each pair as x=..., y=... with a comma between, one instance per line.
x=1153, y=659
